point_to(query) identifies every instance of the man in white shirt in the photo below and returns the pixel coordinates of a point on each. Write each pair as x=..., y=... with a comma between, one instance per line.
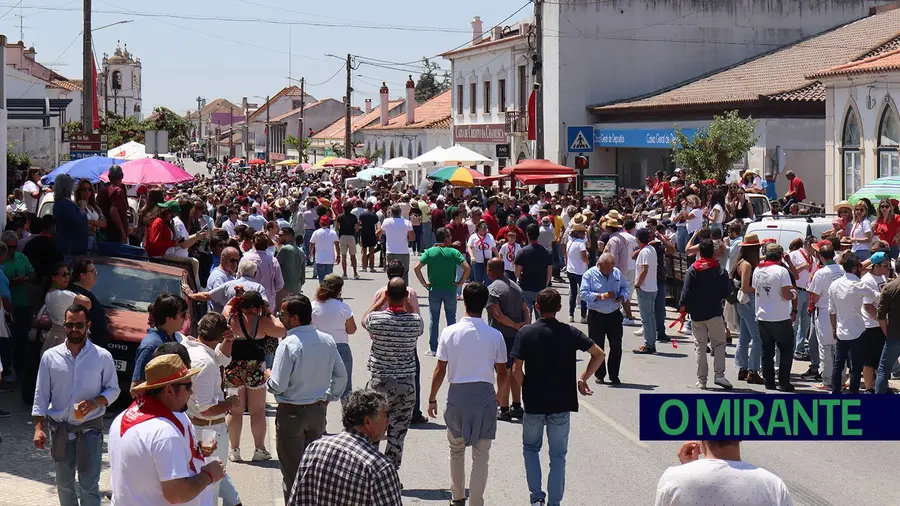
x=803, y=260
x=646, y=285
x=325, y=248
x=720, y=477
x=621, y=245
x=472, y=351
x=154, y=452
x=774, y=293
x=398, y=233
x=208, y=406
x=31, y=191
x=818, y=299
x=844, y=297
x=873, y=337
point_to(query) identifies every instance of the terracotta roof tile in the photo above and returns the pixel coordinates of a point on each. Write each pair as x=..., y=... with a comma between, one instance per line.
x=290, y=91
x=777, y=75
x=336, y=130
x=67, y=85
x=431, y=114
x=217, y=105
x=487, y=42
x=885, y=62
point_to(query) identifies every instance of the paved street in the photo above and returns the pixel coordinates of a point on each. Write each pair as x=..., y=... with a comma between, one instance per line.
x=607, y=464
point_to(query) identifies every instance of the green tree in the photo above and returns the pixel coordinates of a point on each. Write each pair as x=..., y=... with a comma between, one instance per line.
x=72, y=127
x=121, y=130
x=16, y=161
x=430, y=84
x=713, y=151
x=179, y=128
x=373, y=155
x=293, y=143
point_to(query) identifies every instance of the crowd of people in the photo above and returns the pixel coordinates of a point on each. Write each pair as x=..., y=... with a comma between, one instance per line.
x=248, y=236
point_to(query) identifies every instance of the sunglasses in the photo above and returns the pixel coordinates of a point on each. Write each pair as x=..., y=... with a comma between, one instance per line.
x=75, y=325
x=189, y=386
x=886, y=206
x=62, y=274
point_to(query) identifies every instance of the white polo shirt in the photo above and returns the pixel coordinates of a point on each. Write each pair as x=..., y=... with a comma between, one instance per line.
x=471, y=347
x=768, y=282
x=715, y=481
x=395, y=235
x=821, y=281
x=149, y=453
x=844, y=299
x=798, y=258
x=324, y=239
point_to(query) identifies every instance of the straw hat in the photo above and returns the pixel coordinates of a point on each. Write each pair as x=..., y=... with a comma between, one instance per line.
x=579, y=219
x=750, y=240
x=165, y=370
x=579, y=228
x=281, y=203
x=613, y=215
x=842, y=205
x=612, y=223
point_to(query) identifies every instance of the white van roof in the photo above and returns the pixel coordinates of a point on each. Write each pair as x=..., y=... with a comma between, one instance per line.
x=785, y=230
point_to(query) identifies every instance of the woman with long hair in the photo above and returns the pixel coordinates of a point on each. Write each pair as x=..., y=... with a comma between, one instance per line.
x=748, y=361
x=87, y=202
x=715, y=211
x=861, y=232
x=249, y=318
x=887, y=225
x=332, y=315
x=56, y=301
x=148, y=212
x=743, y=209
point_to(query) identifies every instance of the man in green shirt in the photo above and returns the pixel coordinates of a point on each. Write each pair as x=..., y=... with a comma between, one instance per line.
x=20, y=273
x=442, y=261
x=292, y=261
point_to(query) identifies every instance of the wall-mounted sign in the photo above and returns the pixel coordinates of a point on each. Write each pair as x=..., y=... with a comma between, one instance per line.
x=485, y=133
x=503, y=150
x=600, y=186
x=638, y=138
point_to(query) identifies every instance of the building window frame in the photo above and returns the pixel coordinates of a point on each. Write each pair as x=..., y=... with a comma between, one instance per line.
x=889, y=141
x=851, y=153
x=501, y=95
x=523, y=87
x=459, y=99
x=473, y=97
x=487, y=97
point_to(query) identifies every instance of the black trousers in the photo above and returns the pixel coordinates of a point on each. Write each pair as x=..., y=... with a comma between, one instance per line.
x=295, y=428
x=851, y=353
x=600, y=328
x=777, y=335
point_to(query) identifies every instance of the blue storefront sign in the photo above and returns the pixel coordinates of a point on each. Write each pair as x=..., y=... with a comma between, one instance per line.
x=638, y=138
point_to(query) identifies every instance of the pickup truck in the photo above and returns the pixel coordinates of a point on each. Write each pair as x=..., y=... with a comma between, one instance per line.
x=125, y=288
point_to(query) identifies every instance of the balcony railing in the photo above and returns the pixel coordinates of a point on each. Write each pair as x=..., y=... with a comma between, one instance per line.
x=516, y=122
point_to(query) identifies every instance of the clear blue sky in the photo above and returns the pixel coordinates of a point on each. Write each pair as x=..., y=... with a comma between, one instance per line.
x=184, y=58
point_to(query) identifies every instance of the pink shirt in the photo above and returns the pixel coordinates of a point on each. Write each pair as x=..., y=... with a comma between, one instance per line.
x=268, y=273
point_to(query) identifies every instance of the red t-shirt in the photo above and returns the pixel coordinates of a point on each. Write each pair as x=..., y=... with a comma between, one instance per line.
x=887, y=231
x=159, y=238
x=797, y=188
x=459, y=232
x=491, y=220
x=337, y=207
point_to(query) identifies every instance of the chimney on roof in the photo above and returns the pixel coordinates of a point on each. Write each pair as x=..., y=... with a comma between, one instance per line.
x=496, y=33
x=477, y=31
x=385, y=117
x=410, y=101
x=368, y=105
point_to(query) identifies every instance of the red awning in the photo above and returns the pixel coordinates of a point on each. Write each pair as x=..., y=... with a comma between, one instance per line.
x=539, y=167
x=528, y=179
x=487, y=180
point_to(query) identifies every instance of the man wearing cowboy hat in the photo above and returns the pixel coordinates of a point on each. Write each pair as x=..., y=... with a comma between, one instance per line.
x=154, y=451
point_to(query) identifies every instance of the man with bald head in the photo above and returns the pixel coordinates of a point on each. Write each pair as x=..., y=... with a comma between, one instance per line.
x=604, y=288
x=222, y=274
x=392, y=361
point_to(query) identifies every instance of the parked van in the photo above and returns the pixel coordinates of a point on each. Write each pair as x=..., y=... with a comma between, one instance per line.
x=784, y=230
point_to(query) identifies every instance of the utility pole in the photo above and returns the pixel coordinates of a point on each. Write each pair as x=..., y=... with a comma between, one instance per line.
x=231, y=133
x=199, y=118
x=246, y=129
x=300, y=123
x=347, y=134
x=538, y=63
x=87, y=115
x=267, y=130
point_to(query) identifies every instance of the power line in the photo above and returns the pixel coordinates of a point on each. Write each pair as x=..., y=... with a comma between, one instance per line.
x=338, y=71
x=11, y=9
x=56, y=60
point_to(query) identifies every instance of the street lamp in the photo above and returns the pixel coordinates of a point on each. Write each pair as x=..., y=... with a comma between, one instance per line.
x=121, y=22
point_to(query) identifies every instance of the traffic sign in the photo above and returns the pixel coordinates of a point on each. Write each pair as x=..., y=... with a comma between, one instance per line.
x=86, y=145
x=580, y=139
x=77, y=155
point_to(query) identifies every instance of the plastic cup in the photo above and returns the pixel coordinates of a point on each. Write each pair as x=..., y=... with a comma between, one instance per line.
x=231, y=391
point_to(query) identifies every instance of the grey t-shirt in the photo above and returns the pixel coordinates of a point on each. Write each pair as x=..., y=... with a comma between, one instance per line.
x=546, y=236
x=508, y=295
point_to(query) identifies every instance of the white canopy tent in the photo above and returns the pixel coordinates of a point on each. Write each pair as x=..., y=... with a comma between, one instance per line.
x=399, y=163
x=131, y=150
x=458, y=155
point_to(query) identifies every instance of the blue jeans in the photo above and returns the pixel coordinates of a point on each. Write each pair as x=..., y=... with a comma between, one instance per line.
x=888, y=359
x=681, y=238
x=660, y=311
x=574, y=286
x=347, y=358
x=895, y=252
x=749, y=337
x=307, y=235
x=227, y=492
x=530, y=299
x=647, y=307
x=801, y=326
x=89, y=480
x=435, y=299
x=479, y=273
x=416, y=245
x=557, y=426
x=427, y=236
x=323, y=270
x=849, y=353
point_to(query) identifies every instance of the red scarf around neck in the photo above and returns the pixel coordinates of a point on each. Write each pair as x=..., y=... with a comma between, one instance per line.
x=702, y=264
x=767, y=263
x=147, y=408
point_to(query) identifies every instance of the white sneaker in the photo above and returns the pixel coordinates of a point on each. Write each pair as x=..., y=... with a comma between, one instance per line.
x=584, y=319
x=701, y=385
x=234, y=455
x=724, y=383
x=686, y=332
x=537, y=503
x=430, y=353
x=571, y=319
x=628, y=322
x=639, y=332
x=261, y=454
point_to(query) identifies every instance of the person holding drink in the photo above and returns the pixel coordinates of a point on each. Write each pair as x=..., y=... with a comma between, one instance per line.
x=76, y=381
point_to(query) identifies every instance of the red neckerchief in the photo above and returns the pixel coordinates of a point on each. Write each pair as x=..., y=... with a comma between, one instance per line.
x=767, y=263
x=702, y=264
x=806, y=258
x=147, y=408
x=480, y=242
x=511, y=251
x=396, y=309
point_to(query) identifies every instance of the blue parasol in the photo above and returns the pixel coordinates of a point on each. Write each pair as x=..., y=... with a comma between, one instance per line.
x=84, y=168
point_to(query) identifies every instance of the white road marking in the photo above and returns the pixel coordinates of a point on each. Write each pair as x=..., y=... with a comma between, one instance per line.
x=631, y=436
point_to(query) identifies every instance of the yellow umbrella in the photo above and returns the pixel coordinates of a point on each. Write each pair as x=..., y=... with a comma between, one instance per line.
x=321, y=163
x=288, y=163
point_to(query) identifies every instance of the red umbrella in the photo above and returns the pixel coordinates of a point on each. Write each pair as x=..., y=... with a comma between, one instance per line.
x=341, y=162
x=362, y=161
x=257, y=161
x=539, y=167
x=151, y=171
x=235, y=160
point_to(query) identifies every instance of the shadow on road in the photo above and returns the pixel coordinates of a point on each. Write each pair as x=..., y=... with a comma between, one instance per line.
x=634, y=386
x=428, y=495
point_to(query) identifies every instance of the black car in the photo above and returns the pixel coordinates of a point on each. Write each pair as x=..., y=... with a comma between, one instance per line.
x=198, y=156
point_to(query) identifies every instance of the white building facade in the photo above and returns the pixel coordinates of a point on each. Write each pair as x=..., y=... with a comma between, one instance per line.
x=119, y=85
x=491, y=82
